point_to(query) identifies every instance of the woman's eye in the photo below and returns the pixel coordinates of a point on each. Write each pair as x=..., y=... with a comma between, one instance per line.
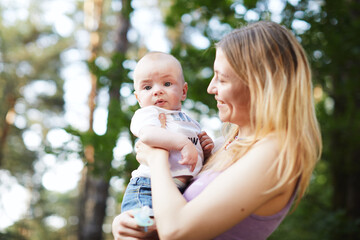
x=220, y=80
x=217, y=79
x=147, y=87
x=167, y=84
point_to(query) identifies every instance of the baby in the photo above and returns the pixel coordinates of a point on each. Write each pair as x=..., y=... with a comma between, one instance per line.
x=160, y=88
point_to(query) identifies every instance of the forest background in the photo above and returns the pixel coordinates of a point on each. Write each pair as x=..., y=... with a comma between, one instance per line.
x=66, y=101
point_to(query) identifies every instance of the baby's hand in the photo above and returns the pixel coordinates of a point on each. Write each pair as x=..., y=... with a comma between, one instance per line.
x=206, y=143
x=189, y=155
x=162, y=119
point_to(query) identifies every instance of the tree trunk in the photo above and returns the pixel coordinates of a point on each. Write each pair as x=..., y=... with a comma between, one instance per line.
x=93, y=205
x=94, y=190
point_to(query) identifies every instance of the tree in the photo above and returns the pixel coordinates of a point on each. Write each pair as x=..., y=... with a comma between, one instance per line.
x=332, y=42
x=27, y=44
x=19, y=69
x=98, y=150
x=328, y=31
x=94, y=190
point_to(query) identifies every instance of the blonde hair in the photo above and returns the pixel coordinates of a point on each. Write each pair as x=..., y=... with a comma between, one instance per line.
x=273, y=65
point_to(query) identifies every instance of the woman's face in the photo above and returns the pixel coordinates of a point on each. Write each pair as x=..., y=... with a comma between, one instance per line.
x=231, y=94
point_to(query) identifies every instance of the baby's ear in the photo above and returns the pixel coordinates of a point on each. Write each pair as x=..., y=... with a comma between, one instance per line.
x=185, y=89
x=137, y=98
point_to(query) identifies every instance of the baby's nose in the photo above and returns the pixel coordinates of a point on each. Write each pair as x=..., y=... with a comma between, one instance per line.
x=158, y=90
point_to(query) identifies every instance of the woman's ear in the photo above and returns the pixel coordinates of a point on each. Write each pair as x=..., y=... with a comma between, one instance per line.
x=185, y=89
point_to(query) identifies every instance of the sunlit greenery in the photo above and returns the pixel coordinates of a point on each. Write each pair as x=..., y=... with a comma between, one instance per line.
x=33, y=96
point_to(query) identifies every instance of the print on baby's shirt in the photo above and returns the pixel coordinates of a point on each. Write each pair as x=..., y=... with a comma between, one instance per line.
x=194, y=140
x=180, y=117
x=184, y=118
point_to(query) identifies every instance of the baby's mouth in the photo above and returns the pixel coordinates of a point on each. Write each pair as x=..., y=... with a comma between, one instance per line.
x=159, y=102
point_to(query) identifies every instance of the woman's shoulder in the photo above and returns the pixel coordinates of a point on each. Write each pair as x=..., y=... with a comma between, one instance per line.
x=270, y=143
x=261, y=156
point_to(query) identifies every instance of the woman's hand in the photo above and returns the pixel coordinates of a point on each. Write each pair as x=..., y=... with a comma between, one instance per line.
x=145, y=154
x=124, y=227
x=189, y=155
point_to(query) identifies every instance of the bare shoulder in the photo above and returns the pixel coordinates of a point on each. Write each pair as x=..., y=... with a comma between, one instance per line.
x=258, y=166
x=269, y=141
x=266, y=149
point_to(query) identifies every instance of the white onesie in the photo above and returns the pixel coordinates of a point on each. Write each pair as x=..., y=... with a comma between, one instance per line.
x=176, y=121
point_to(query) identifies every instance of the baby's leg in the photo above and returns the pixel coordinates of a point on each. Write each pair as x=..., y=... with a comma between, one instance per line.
x=182, y=182
x=137, y=194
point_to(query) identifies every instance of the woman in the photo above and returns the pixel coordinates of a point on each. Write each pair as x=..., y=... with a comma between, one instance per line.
x=262, y=85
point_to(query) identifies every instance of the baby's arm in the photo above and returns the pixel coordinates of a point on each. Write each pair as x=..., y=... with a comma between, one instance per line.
x=159, y=137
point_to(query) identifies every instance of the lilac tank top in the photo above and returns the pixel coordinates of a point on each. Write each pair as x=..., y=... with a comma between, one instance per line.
x=254, y=227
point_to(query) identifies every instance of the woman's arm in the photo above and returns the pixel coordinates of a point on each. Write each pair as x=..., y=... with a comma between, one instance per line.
x=231, y=197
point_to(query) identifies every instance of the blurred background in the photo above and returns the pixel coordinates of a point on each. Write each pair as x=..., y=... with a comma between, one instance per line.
x=66, y=101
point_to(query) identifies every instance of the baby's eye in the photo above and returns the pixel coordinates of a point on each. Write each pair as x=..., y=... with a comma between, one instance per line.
x=167, y=84
x=147, y=87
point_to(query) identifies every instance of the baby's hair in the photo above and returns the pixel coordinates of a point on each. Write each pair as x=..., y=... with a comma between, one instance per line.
x=157, y=55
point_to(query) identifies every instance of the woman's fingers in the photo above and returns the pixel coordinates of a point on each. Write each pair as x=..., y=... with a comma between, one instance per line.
x=142, y=152
x=125, y=228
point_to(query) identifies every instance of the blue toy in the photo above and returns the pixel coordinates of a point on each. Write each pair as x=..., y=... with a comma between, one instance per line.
x=142, y=217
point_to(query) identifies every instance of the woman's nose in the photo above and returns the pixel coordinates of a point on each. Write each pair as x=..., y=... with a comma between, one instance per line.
x=211, y=87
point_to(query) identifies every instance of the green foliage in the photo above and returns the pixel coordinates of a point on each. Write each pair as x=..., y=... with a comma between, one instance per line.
x=313, y=212
x=15, y=154
x=197, y=63
x=332, y=45
x=206, y=8
x=11, y=236
x=197, y=66
x=118, y=121
x=22, y=60
x=331, y=42
x=29, y=53
x=250, y=3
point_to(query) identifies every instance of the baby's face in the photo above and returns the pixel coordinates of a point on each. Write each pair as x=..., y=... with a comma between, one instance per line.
x=158, y=82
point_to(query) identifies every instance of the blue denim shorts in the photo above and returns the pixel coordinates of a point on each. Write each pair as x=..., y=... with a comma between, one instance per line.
x=137, y=194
